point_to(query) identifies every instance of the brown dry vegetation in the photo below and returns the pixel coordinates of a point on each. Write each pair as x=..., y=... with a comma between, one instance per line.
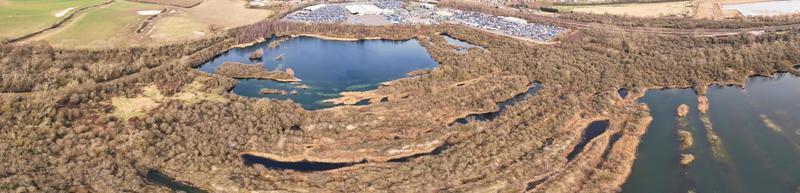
x=68, y=138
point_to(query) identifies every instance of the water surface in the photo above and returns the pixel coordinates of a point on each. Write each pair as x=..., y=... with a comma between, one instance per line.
x=462, y=46
x=327, y=67
x=757, y=151
x=162, y=179
x=301, y=166
x=501, y=106
x=594, y=129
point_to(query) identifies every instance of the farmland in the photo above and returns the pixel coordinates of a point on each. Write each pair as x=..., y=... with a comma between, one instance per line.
x=115, y=24
x=102, y=27
x=19, y=17
x=677, y=9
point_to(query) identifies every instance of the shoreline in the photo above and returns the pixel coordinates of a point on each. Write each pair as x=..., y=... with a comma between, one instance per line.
x=324, y=37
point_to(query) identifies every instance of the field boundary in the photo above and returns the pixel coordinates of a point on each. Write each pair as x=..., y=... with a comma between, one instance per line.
x=57, y=24
x=168, y=4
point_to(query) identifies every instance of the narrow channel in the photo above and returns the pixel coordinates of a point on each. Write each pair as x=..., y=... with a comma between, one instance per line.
x=502, y=106
x=436, y=151
x=300, y=166
x=162, y=179
x=594, y=129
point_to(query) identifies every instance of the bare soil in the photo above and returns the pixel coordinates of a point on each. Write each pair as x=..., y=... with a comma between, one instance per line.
x=227, y=13
x=674, y=9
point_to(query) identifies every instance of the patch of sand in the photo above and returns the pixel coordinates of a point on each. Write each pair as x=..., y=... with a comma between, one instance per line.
x=712, y=9
x=148, y=12
x=63, y=12
x=680, y=9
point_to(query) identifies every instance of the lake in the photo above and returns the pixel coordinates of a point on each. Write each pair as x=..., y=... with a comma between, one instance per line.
x=327, y=67
x=755, y=146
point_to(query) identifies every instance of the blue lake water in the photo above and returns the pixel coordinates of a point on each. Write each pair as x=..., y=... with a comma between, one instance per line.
x=462, y=46
x=501, y=106
x=327, y=67
x=755, y=146
x=594, y=129
x=301, y=166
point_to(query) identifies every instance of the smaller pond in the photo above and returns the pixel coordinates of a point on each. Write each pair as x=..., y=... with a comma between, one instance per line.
x=535, y=87
x=439, y=150
x=623, y=93
x=768, y=8
x=162, y=179
x=326, y=67
x=462, y=46
x=594, y=129
x=301, y=166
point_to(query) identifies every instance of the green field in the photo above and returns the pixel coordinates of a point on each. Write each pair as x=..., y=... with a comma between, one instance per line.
x=19, y=17
x=110, y=25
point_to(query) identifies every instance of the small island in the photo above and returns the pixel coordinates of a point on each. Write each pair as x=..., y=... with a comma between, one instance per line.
x=257, y=54
x=273, y=91
x=239, y=70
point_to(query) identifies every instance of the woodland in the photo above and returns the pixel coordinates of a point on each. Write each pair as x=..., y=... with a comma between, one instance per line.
x=62, y=129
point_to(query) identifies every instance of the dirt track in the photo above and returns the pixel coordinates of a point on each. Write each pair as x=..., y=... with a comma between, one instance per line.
x=662, y=31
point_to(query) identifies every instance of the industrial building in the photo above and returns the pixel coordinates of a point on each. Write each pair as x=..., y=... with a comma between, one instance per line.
x=367, y=10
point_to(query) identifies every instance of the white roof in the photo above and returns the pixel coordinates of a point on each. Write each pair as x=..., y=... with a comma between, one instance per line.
x=364, y=9
x=315, y=7
x=514, y=19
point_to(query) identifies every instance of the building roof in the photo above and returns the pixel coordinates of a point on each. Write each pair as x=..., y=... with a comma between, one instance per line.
x=364, y=9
